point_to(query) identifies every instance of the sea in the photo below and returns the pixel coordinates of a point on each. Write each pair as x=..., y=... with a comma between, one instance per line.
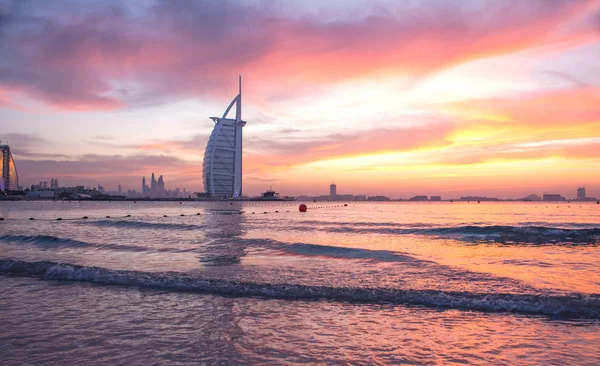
x=260, y=283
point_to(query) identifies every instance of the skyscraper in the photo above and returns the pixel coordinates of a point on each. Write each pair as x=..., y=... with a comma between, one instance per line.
x=54, y=183
x=222, y=166
x=332, y=190
x=153, y=186
x=581, y=193
x=9, y=179
x=144, y=187
x=160, y=187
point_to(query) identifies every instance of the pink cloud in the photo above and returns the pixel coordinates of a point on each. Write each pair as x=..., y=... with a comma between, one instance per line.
x=76, y=59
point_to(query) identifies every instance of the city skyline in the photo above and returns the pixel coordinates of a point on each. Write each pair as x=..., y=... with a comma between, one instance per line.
x=400, y=110
x=156, y=189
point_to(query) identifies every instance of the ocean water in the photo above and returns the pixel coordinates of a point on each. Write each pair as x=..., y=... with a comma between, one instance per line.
x=261, y=283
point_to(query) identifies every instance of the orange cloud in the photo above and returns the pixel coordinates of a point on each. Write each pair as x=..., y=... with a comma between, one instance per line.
x=579, y=105
x=274, y=155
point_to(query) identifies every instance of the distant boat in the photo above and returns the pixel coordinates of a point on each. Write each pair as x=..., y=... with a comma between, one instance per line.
x=271, y=195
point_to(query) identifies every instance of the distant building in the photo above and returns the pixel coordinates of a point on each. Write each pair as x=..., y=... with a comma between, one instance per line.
x=476, y=198
x=80, y=196
x=145, y=190
x=160, y=187
x=532, y=197
x=342, y=197
x=54, y=183
x=360, y=197
x=222, y=165
x=332, y=190
x=378, y=198
x=435, y=198
x=581, y=194
x=41, y=194
x=152, y=186
x=553, y=197
x=419, y=198
x=9, y=178
x=119, y=189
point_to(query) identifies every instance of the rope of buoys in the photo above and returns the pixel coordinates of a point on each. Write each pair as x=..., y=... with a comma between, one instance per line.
x=198, y=213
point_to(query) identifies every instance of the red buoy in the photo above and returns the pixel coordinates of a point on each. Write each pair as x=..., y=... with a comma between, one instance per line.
x=303, y=208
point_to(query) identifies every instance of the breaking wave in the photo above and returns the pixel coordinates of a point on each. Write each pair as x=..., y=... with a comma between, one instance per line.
x=573, y=305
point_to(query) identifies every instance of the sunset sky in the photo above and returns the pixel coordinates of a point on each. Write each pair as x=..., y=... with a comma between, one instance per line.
x=450, y=98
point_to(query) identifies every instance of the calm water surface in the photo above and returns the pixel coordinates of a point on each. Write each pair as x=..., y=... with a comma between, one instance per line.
x=370, y=283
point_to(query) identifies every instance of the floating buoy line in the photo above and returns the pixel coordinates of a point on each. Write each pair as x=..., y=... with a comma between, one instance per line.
x=302, y=208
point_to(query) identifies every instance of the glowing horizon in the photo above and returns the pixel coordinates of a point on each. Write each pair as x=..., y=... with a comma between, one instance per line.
x=439, y=98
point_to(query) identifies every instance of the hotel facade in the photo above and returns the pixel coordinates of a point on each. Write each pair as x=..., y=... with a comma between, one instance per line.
x=9, y=178
x=222, y=166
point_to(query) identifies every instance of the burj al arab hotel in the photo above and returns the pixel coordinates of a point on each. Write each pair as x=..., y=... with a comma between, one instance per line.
x=222, y=167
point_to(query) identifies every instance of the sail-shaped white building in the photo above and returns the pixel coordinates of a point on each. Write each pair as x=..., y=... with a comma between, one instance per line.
x=222, y=166
x=9, y=178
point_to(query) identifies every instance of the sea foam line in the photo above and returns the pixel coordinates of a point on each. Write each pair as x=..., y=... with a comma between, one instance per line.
x=573, y=305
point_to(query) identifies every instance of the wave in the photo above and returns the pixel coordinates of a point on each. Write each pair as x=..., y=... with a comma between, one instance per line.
x=519, y=234
x=321, y=250
x=46, y=241
x=537, y=235
x=343, y=252
x=53, y=242
x=368, y=223
x=142, y=225
x=572, y=305
x=304, y=249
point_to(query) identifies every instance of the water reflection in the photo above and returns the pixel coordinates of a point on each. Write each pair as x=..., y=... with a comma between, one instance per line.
x=223, y=226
